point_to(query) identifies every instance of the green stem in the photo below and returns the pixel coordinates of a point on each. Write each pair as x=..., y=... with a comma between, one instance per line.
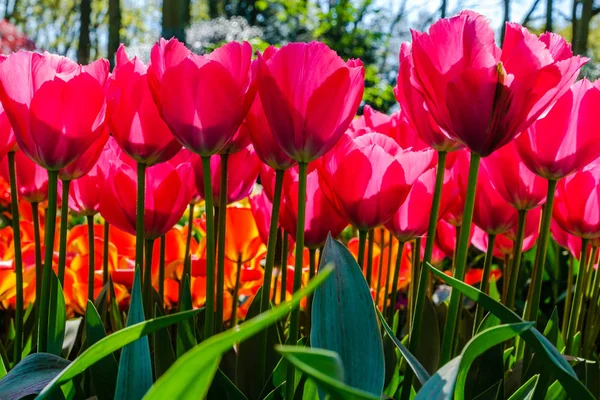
x=371, y=242
x=91, y=257
x=236, y=291
x=591, y=315
x=64, y=221
x=221, y=231
x=379, y=272
x=210, y=250
x=392, y=307
x=161, y=269
x=268, y=271
x=14, y=203
x=362, y=242
x=516, y=263
x=485, y=280
x=276, y=264
x=187, y=260
x=460, y=263
x=535, y=288
x=569, y=296
x=386, y=289
x=139, y=217
x=105, y=254
x=578, y=297
x=435, y=206
x=416, y=273
x=147, y=283
x=284, y=265
x=311, y=274
x=294, y=321
x=49, y=252
x=38, y=250
x=584, y=291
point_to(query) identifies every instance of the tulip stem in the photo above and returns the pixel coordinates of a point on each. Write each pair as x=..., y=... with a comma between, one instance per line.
x=14, y=204
x=268, y=274
x=362, y=244
x=294, y=321
x=516, y=261
x=105, y=255
x=578, y=297
x=161, y=270
x=370, y=244
x=222, y=224
x=50, y=227
x=91, y=257
x=392, y=307
x=139, y=217
x=187, y=261
x=148, y=247
x=591, y=314
x=435, y=207
x=380, y=266
x=569, y=296
x=35, y=216
x=535, y=288
x=485, y=279
x=236, y=291
x=210, y=250
x=312, y=256
x=386, y=289
x=460, y=264
x=64, y=222
x=416, y=273
x=284, y=265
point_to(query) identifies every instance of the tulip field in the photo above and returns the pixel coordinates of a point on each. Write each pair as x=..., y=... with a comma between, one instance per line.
x=241, y=225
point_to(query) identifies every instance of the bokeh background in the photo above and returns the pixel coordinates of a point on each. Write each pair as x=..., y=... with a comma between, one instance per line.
x=368, y=29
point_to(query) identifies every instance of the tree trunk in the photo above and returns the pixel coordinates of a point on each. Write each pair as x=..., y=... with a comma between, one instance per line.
x=444, y=8
x=583, y=27
x=549, y=9
x=114, y=26
x=574, y=25
x=506, y=19
x=173, y=19
x=213, y=8
x=83, y=52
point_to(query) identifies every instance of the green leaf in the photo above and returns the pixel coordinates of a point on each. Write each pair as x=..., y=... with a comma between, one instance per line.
x=135, y=366
x=104, y=372
x=492, y=393
x=344, y=321
x=115, y=315
x=164, y=356
x=559, y=366
x=186, y=339
x=556, y=392
x=182, y=379
x=429, y=347
x=420, y=372
x=31, y=375
x=310, y=390
x=223, y=388
x=441, y=384
x=526, y=391
x=58, y=319
x=325, y=367
x=71, y=335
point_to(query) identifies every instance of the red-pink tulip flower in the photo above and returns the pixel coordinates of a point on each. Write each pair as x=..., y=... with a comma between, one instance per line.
x=368, y=178
x=309, y=95
x=577, y=204
x=484, y=96
x=7, y=134
x=412, y=218
x=239, y=141
x=446, y=238
x=202, y=98
x=261, y=210
x=457, y=167
x=84, y=163
x=55, y=106
x=515, y=182
x=567, y=241
x=413, y=106
x=565, y=139
x=32, y=180
x=320, y=219
x=167, y=195
x=134, y=119
x=243, y=170
x=491, y=212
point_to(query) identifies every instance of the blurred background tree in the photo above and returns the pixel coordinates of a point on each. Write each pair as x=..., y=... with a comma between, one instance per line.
x=371, y=30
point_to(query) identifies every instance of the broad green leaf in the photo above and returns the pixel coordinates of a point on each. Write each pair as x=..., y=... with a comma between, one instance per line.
x=310, y=390
x=441, y=385
x=559, y=366
x=110, y=344
x=58, y=320
x=325, y=367
x=223, y=388
x=104, y=372
x=526, y=391
x=71, y=335
x=492, y=393
x=186, y=339
x=116, y=321
x=31, y=375
x=164, y=356
x=482, y=342
x=182, y=379
x=556, y=392
x=135, y=366
x=344, y=321
x=420, y=372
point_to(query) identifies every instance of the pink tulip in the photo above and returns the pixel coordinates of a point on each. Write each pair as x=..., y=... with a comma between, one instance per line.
x=84, y=163
x=202, y=98
x=309, y=96
x=457, y=167
x=481, y=95
x=134, y=119
x=7, y=135
x=56, y=107
x=368, y=178
x=445, y=237
x=261, y=210
x=243, y=168
x=565, y=139
x=32, y=180
x=513, y=181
